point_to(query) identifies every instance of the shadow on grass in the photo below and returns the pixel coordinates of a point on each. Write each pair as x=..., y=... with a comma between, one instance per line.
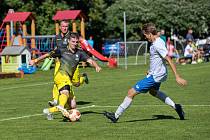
x=82, y=113
x=83, y=103
x=90, y=112
x=155, y=117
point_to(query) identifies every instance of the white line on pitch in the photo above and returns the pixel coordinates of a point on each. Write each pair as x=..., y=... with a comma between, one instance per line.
x=16, y=118
x=99, y=106
x=152, y=106
x=24, y=86
x=28, y=116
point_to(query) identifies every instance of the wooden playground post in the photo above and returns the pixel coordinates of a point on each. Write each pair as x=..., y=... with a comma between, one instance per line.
x=24, y=34
x=8, y=34
x=33, y=45
x=56, y=27
x=82, y=30
x=74, y=26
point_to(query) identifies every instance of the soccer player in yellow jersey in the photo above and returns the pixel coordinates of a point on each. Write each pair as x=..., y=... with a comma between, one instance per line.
x=62, y=42
x=69, y=60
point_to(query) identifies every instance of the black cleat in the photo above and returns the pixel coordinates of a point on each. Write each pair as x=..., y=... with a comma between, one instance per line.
x=86, y=78
x=111, y=116
x=179, y=111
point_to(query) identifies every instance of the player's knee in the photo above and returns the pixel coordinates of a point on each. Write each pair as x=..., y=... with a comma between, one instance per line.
x=65, y=90
x=131, y=93
x=73, y=103
x=153, y=92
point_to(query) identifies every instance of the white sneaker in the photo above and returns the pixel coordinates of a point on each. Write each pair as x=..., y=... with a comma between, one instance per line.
x=48, y=114
x=52, y=103
x=194, y=62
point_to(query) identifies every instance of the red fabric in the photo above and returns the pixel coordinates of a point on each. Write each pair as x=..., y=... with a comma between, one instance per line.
x=17, y=16
x=66, y=14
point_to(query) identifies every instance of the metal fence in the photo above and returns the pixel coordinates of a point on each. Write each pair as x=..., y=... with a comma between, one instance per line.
x=43, y=44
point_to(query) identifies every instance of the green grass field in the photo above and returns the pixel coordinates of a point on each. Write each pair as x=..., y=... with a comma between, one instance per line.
x=22, y=102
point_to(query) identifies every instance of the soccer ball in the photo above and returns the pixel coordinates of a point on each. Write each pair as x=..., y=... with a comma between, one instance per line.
x=74, y=115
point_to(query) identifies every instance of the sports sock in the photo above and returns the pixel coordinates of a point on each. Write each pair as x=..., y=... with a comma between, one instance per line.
x=55, y=94
x=163, y=97
x=63, y=99
x=53, y=109
x=55, y=101
x=125, y=104
x=81, y=80
x=73, y=103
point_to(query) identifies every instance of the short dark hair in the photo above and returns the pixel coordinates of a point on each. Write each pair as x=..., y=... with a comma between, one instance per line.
x=74, y=35
x=149, y=28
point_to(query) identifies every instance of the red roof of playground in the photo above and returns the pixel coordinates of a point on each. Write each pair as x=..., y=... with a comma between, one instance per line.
x=67, y=14
x=17, y=16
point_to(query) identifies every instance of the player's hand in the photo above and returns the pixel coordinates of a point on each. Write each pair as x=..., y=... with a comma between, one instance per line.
x=98, y=69
x=32, y=62
x=180, y=81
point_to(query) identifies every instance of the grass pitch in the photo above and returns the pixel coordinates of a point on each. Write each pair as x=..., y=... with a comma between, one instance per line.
x=22, y=102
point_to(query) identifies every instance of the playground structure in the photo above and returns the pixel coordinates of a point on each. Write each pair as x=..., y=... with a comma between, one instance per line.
x=14, y=57
x=22, y=18
x=38, y=44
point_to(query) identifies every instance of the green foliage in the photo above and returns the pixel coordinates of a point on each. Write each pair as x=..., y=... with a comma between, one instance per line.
x=170, y=14
x=45, y=13
x=105, y=17
x=97, y=16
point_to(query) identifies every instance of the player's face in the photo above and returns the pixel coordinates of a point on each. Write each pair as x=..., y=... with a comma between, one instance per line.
x=73, y=42
x=148, y=36
x=64, y=27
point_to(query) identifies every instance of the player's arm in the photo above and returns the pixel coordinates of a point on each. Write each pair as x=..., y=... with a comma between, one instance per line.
x=179, y=80
x=94, y=64
x=54, y=53
x=37, y=60
x=85, y=57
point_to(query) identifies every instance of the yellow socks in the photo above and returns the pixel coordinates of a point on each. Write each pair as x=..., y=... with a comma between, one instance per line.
x=62, y=101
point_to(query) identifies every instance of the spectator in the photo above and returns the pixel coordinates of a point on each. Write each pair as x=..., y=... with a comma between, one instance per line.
x=162, y=35
x=91, y=41
x=189, y=52
x=206, y=50
x=172, y=51
x=189, y=35
x=17, y=39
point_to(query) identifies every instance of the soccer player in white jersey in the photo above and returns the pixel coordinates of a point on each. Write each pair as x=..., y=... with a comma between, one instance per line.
x=156, y=75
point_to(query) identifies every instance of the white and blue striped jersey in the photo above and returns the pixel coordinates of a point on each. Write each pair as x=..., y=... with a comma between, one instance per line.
x=158, y=67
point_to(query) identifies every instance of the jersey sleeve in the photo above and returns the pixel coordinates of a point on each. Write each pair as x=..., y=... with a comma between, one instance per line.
x=83, y=56
x=161, y=48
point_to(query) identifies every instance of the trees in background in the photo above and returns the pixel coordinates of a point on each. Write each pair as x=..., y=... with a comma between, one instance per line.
x=105, y=17
x=170, y=15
